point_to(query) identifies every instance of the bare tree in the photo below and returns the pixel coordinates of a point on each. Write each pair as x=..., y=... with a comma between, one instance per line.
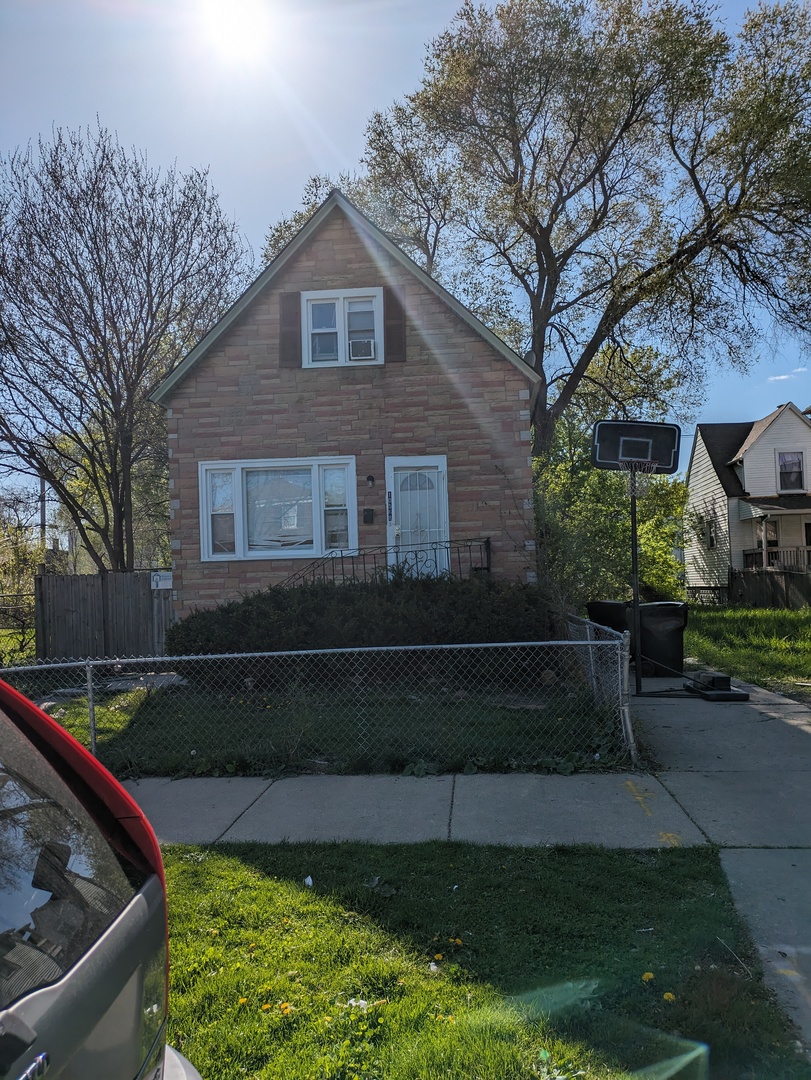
x=109, y=272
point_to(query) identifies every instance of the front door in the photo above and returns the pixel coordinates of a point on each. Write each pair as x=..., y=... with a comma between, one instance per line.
x=417, y=514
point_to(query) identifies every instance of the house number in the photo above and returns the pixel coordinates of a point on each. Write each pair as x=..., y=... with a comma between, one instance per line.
x=388, y=498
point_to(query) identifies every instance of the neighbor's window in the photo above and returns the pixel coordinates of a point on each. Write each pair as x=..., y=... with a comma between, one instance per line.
x=772, y=539
x=278, y=509
x=790, y=471
x=343, y=327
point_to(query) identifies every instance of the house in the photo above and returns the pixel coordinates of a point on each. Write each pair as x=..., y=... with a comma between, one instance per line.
x=346, y=408
x=749, y=499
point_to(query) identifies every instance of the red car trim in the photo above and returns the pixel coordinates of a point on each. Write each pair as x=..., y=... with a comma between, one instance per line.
x=114, y=810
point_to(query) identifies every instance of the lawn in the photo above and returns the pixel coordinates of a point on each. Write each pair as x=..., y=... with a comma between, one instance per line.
x=180, y=730
x=765, y=646
x=343, y=961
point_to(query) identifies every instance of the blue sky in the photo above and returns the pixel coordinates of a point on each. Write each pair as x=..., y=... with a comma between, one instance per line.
x=266, y=93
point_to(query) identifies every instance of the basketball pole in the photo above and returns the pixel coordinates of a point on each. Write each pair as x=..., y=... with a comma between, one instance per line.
x=635, y=585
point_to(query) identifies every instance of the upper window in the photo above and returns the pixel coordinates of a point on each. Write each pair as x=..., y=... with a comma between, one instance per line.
x=277, y=509
x=790, y=471
x=343, y=327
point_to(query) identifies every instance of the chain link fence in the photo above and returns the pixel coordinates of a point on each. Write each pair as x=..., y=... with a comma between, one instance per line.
x=554, y=706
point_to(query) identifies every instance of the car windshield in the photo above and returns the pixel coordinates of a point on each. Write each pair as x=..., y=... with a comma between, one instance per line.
x=60, y=883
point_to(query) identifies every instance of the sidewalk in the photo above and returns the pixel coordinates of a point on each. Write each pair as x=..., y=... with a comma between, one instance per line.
x=735, y=774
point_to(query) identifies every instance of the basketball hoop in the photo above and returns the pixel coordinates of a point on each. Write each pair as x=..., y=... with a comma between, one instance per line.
x=637, y=474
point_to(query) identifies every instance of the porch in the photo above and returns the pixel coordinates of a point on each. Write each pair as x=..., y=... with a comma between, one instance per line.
x=777, y=558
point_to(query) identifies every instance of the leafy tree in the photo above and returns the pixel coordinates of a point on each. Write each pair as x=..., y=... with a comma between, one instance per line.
x=584, y=513
x=109, y=272
x=22, y=550
x=608, y=172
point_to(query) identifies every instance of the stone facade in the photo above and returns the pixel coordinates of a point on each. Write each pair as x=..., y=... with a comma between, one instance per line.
x=454, y=395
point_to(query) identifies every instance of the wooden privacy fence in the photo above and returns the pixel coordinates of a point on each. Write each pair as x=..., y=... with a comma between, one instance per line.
x=100, y=615
x=770, y=588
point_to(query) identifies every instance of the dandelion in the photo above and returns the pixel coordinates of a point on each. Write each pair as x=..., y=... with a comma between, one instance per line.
x=457, y=941
x=647, y=976
x=252, y=945
x=265, y=1007
x=242, y=1000
x=669, y=997
x=438, y=956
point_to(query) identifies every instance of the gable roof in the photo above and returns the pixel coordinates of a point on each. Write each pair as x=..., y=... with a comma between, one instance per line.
x=336, y=201
x=760, y=426
x=721, y=442
x=756, y=429
x=726, y=444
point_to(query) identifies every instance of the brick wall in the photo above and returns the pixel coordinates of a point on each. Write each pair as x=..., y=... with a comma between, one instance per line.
x=454, y=395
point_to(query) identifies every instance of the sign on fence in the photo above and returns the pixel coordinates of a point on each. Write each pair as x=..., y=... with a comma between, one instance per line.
x=100, y=615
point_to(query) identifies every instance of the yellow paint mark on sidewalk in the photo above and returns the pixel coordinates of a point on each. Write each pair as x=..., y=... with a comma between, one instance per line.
x=640, y=796
x=790, y=972
x=672, y=839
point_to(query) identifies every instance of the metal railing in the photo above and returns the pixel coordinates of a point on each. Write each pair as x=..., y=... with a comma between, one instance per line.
x=454, y=558
x=533, y=706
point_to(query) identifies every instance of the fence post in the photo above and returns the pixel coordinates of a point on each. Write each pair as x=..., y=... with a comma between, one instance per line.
x=592, y=664
x=91, y=708
x=624, y=657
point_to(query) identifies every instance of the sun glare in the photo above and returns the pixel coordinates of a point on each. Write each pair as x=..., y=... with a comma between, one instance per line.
x=239, y=32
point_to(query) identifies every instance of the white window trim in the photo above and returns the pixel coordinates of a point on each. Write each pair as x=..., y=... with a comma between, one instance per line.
x=790, y=450
x=238, y=468
x=340, y=296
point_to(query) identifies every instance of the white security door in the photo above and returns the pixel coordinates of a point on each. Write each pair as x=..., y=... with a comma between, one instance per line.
x=417, y=514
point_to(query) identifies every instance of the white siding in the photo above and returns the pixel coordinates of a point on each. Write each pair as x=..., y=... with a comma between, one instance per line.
x=787, y=432
x=743, y=534
x=706, y=500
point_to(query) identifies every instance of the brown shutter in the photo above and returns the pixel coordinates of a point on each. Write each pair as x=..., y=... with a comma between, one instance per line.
x=394, y=319
x=290, y=330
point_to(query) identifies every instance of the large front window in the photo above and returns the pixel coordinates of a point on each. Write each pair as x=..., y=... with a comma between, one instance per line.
x=277, y=509
x=343, y=327
x=790, y=470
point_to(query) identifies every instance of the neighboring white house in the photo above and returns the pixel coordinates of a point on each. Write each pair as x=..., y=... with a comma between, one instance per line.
x=749, y=498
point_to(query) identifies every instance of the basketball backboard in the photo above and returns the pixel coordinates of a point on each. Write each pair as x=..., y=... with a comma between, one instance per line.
x=617, y=443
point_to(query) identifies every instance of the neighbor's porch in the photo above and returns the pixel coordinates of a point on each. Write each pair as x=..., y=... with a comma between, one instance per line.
x=777, y=558
x=778, y=535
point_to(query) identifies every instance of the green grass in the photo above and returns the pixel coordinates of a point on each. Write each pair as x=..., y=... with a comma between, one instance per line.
x=538, y=961
x=185, y=731
x=768, y=647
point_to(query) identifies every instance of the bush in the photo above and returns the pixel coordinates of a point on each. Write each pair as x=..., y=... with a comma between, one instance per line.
x=403, y=611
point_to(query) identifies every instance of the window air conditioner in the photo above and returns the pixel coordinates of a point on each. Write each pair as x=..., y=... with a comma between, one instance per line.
x=362, y=349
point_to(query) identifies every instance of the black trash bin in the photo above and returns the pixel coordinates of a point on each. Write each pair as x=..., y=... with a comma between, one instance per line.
x=615, y=614
x=661, y=631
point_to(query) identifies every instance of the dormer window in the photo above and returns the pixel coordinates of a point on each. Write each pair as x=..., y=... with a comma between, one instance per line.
x=342, y=328
x=790, y=472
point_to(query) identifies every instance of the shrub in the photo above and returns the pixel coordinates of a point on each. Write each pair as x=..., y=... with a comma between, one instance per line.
x=403, y=611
